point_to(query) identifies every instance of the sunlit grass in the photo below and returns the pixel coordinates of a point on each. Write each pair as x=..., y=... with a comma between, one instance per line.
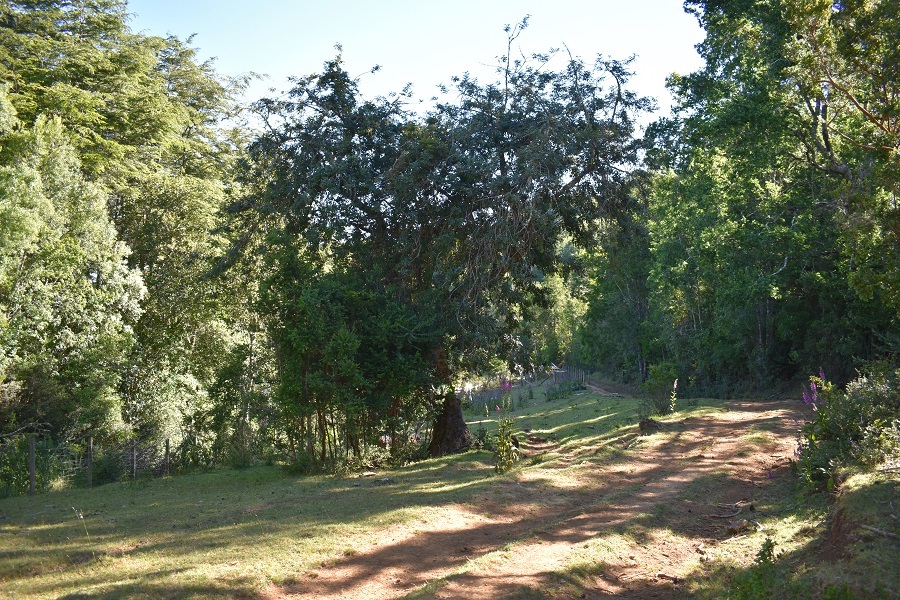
x=233, y=533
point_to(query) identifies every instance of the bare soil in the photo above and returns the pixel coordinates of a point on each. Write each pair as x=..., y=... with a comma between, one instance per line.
x=661, y=500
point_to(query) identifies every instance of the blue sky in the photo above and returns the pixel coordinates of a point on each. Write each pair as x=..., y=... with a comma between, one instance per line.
x=423, y=42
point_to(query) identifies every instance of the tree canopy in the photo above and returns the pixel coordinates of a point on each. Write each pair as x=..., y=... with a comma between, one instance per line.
x=315, y=288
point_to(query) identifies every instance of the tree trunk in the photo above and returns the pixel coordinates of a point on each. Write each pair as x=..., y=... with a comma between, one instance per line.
x=449, y=433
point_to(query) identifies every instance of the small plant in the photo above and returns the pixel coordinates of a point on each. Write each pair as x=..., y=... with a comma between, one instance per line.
x=521, y=402
x=765, y=558
x=80, y=515
x=480, y=439
x=506, y=448
x=507, y=452
x=759, y=581
x=563, y=389
x=673, y=397
x=660, y=393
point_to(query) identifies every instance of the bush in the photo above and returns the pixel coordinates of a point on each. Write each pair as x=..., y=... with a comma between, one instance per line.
x=108, y=466
x=860, y=425
x=563, y=389
x=481, y=440
x=660, y=387
x=507, y=452
x=759, y=581
x=14, y=475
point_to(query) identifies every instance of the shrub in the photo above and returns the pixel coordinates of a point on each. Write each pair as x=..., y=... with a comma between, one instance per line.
x=860, y=425
x=660, y=387
x=563, y=389
x=14, y=474
x=480, y=439
x=759, y=581
x=507, y=452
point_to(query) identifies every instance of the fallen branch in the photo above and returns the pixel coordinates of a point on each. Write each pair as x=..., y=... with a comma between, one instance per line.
x=671, y=578
x=882, y=532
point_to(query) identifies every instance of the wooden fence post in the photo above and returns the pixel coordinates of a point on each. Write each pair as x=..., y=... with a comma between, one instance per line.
x=166, y=468
x=90, y=461
x=32, y=476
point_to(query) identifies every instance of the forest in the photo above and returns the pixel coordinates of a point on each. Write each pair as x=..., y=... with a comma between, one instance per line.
x=312, y=279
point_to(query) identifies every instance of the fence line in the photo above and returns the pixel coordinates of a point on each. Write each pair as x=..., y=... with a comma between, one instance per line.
x=29, y=464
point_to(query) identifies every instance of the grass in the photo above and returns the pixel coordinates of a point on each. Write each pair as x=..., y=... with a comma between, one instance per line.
x=234, y=533
x=223, y=531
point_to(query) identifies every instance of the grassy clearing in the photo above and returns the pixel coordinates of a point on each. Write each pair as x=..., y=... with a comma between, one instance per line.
x=235, y=533
x=226, y=531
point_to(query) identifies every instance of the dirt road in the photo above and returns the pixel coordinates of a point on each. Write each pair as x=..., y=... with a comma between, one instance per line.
x=592, y=521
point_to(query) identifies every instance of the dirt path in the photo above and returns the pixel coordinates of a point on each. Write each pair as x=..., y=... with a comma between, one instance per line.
x=647, y=510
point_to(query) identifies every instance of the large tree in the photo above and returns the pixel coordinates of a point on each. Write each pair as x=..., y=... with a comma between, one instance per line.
x=68, y=300
x=456, y=217
x=142, y=114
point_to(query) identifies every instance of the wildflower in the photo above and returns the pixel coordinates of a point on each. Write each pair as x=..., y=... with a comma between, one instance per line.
x=821, y=374
x=812, y=385
x=497, y=408
x=805, y=397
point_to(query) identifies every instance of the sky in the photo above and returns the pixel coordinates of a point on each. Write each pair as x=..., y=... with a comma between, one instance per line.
x=423, y=42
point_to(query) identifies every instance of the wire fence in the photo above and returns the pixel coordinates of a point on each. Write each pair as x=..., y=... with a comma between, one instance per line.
x=31, y=464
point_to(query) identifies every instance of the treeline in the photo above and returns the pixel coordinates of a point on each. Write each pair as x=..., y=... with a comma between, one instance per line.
x=313, y=286
x=763, y=243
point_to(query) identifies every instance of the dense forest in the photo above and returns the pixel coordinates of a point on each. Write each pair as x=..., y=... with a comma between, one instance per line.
x=311, y=278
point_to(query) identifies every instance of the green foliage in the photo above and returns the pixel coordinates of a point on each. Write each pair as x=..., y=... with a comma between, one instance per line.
x=759, y=581
x=853, y=426
x=503, y=440
x=743, y=257
x=15, y=478
x=456, y=221
x=562, y=389
x=661, y=387
x=507, y=452
x=68, y=300
x=137, y=117
x=481, y=440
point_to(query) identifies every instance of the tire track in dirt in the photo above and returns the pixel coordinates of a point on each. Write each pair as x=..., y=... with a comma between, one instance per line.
x=524, y=533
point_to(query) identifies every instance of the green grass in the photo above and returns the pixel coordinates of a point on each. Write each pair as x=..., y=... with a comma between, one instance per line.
x=821, y=550
x=227, y=530
x=232, y=533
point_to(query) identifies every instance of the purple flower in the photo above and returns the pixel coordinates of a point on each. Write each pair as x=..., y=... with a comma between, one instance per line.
x=805, y=397
x=497, y=408
x=812, y=385
x=815, y=408
x=821, y=374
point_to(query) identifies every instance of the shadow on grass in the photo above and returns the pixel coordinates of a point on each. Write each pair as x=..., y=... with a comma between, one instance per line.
x=242, y=515
x=144, y=589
